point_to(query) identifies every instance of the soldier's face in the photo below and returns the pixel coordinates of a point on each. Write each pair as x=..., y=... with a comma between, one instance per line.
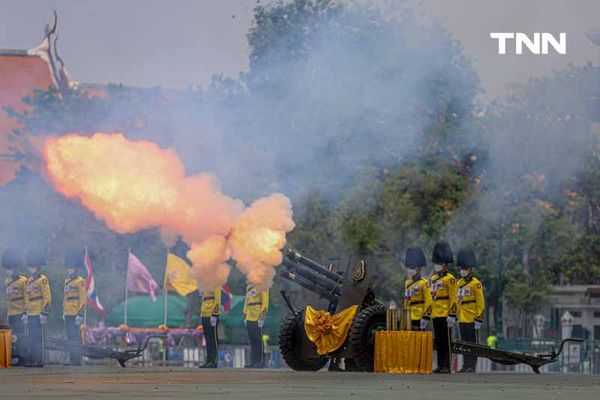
x=70, y=271
x=33, y=270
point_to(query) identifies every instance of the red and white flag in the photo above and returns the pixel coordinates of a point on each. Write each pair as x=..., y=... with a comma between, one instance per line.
x=90, y=286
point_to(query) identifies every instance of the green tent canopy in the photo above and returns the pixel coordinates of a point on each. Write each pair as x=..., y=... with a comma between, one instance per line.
x=235, y=317
x=142, y=312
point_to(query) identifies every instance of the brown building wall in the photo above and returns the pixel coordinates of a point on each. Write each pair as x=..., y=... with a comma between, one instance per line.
x=19, y=76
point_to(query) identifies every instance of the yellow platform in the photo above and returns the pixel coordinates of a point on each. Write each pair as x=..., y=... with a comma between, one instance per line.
x=403, y=352
x=5, y=348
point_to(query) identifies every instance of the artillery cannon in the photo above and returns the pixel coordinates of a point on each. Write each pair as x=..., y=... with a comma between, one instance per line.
x=343, y=283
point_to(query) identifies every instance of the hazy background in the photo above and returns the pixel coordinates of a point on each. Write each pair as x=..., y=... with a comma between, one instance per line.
x=188, y=41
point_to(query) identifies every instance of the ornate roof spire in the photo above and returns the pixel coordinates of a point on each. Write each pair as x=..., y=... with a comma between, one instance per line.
x=48, y=52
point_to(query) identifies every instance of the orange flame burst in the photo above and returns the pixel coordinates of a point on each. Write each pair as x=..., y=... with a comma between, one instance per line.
x=209, y=258
x=137, y=185
x=258, y=237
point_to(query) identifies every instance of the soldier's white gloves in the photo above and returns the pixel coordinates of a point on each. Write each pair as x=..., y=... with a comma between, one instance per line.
x=451, y=321
x=25, y=319
x=213, y=321
x=79, y=320
x=477, y=325
x=43, y=319
x=261, y=323
x=424, y=323
x=64, y=319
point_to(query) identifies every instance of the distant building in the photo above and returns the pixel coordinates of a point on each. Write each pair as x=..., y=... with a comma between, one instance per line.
x=583, y=303
x=21, y=72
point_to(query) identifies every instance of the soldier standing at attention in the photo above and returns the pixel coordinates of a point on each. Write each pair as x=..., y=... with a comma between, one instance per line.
x=417, y=296
x=16, y=300
x=38, y=304
x=256, y=306
x=209, y=315
x=74, y=298
x=445, y=305
x=471, y=304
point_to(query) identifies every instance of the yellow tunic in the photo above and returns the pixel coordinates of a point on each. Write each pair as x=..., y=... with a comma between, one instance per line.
x=16, y=295
x=471, y=300
x=211, y=303
x=417, y=298
x=444, y=293
x=38, y=295
x=74, y=296
x=256, y=304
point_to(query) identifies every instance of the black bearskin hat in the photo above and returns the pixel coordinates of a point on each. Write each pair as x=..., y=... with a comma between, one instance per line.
x=442, y=253
x=36, y=258
x=415, y=258
x=466, y=258
x=11, y=259
x=74, y=259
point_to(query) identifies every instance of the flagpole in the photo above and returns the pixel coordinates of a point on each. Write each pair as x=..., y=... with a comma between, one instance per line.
x=165, y=292
x=86, y=289
x=127, y=287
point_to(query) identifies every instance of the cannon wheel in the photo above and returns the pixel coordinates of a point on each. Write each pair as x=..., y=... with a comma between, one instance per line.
x=361, y=338
x=290, y=345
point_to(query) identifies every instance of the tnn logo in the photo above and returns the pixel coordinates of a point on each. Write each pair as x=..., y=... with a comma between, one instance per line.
x=540, y=43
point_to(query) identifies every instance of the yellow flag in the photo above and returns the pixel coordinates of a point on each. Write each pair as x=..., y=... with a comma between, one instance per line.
x=177, y=276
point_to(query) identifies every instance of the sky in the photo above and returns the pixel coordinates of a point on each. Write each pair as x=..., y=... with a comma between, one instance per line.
x=181, y=43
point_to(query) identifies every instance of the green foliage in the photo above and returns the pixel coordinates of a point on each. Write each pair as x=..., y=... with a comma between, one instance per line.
x=521, y=295
x=581, y=264
x=284, y=30
x=313, y=232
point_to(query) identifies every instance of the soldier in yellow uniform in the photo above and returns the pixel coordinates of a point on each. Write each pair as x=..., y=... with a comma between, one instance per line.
x=209, y=315
x=471, y=304
x=38, y=305
x=74, y=298
x=256, y=305
x=417, y=296
x=445, y=305
x=16, y=301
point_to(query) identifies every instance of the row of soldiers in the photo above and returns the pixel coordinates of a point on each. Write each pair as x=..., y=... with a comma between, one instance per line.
x=444, y=301
x=28, y=302
x=256, y=305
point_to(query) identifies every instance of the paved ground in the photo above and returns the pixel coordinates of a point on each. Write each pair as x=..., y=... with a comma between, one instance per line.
x=163, y=383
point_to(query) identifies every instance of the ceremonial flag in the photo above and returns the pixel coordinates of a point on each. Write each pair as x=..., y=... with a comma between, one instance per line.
x=225, y=298
x=177, y=276
x=90, y=285
x=139, y=279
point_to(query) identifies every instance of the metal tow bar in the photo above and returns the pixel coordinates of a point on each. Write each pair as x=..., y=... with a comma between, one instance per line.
x=535, y=361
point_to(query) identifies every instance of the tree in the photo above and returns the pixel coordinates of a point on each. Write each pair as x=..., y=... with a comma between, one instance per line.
x=334, y=90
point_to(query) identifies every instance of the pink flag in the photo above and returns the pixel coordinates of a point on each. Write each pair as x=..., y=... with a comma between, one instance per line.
x=139, y=279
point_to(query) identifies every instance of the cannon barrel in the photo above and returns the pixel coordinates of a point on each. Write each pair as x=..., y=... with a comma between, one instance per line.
x=315, y=278
x=315, y=266
x=305, y=283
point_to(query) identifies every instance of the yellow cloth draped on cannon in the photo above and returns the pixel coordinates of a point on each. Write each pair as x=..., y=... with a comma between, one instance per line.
x=328, y=332
x=403, y=352
x=5, y=348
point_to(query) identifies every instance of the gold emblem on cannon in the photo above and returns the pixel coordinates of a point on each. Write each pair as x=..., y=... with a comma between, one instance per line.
x=358, y=274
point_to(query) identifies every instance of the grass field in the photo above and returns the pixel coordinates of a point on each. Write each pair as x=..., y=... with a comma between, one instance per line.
x=161, y=383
